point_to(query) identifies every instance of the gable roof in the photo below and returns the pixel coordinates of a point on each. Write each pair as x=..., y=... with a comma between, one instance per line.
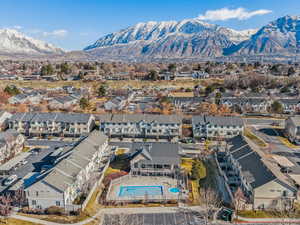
x=158, y=152
x=218, y=120
x=121, y=118
x=252, y=167
x=63, y=175
x=57, y=117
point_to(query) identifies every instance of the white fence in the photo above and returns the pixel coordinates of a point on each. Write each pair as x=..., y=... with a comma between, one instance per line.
x=84, y=204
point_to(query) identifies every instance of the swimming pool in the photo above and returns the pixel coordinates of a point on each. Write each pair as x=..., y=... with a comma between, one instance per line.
x=127, y=191
x=174, y=190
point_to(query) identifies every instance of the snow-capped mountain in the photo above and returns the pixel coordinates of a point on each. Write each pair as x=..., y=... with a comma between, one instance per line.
x=191, y=37
x=237, y=36
x=14, y=42
x=281, y=36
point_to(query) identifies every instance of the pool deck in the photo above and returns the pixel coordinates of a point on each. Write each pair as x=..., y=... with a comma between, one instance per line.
x=128, y=180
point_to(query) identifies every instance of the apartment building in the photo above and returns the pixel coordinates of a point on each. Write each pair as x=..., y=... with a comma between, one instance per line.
x=292, y=129
x=141, y=125
x=205, y=126
x=67, y=180
x=260, y=179
x=11, y=144
x=155, y=159
x=4, y=116
x=58, y=124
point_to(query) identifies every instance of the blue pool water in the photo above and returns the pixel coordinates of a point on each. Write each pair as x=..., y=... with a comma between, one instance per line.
x=127, y=191
x=174, y=190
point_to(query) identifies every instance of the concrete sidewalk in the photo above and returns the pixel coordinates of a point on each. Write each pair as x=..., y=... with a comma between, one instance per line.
x=269, y=220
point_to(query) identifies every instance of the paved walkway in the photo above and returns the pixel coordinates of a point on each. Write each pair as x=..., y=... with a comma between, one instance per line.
x=270, y=220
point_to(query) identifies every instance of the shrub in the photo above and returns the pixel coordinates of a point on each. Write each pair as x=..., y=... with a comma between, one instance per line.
x=55, y=210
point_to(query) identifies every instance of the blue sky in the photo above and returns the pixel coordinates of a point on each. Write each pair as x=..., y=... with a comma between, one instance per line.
x=74, y=24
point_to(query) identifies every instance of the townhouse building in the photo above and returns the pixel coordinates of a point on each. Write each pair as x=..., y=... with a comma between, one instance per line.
x=67, y=180
x=56, y=124
x=186, y=103
x=11, y=144
x=142, y=126
x=258, y=105
x=205, y=126
x=290, y=105
x=259, y=178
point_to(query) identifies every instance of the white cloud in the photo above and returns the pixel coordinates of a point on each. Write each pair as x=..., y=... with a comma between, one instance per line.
x=56, y=33
x=226, y=14
x=17, y=27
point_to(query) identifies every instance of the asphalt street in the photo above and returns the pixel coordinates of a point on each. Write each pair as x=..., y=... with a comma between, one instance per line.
x=275, y=146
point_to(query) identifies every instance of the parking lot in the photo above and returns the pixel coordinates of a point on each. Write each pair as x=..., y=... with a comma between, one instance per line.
x=180, y=218
x=37, y=159
x=275, y=146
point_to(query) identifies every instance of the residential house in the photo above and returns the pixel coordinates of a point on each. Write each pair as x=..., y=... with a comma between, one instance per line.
x=259, y=178
x=142, y=126
x=155, y=159
x=205, y=126
x=67, y=180
x=63, y=102
x=292, y=129
x=33, y=98
x=119, y=102
x=11, y=144
x=43, y=124
x=200, y=75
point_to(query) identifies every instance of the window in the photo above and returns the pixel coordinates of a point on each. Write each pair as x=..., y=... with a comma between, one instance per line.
x=37, y=193
x=57, y=203
x=33, y=202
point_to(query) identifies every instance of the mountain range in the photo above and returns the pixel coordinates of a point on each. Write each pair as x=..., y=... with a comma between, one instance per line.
x=196, y=38
x=172, y=39
x=14, y=42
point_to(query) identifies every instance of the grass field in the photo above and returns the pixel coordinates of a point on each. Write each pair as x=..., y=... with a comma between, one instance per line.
x=12, y=221
x=112, y=84
x=258, y=141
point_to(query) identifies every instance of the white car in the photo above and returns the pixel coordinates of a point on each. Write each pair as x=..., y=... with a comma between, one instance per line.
x=10, y=180
x=23, y=162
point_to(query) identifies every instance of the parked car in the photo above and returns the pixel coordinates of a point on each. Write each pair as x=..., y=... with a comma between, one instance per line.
x=23, y=162
x=10, y=180
x=46, y=167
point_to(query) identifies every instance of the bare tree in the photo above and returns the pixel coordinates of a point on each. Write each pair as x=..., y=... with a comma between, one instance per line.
x=5, y=205
x=211, y=202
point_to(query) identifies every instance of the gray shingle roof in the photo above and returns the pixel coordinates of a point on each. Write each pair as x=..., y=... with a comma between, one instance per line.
x=64, y=173
x=43, y=117
x=218, y=120
x=119, y=118
x=159, y=152
x=253, y=168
